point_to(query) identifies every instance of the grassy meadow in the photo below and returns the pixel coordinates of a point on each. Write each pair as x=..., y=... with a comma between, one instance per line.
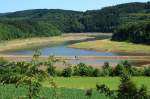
x=90, y=82
x=112, y=46
x=11, y=92
x=70, y=88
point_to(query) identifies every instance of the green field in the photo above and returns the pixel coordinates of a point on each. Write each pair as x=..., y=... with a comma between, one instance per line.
x=112, y=46
x=90, y=82
x=70, y=88
x=11, y=92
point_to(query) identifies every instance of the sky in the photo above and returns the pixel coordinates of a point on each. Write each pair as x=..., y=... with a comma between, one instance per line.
x=77, y=5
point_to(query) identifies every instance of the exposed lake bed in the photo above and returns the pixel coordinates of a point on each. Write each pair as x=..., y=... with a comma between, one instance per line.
x=60, y=46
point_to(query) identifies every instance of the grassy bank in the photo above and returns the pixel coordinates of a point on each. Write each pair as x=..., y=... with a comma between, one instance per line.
x=39, y=42
x=112, y=46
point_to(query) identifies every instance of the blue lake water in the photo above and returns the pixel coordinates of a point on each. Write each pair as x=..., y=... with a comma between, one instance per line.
x=62, y=50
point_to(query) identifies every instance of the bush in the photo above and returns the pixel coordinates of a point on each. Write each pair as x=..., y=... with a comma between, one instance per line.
x=67, y=72
x=82, y=70
x=3, y=61
x=106, y=65
x=126, y=67
x=59, y=73
x=147, y=71
x=105, y=72
x=51, y=69
x=106, y=69
x=137, y=72
x=96, y=72
x=89, y=92
x=119, y=70
x=127, y=88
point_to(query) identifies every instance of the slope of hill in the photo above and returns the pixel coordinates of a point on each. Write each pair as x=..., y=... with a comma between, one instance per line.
x=50, y=22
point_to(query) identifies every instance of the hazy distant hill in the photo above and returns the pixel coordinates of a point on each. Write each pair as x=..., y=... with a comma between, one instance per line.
x=49, y=22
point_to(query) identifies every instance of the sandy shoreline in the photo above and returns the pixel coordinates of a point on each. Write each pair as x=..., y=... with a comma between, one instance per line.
x=44, y=41
x=28, y=58
x=142, y=61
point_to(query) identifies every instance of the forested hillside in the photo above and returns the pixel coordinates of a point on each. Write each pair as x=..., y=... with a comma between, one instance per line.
x=50, y=22
x=137, y=32
x=134, y=27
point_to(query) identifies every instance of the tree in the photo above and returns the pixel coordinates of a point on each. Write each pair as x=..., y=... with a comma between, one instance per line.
x=83, y=70
x=33, y=77
x=67, y=72
x=147, y=71
x=119, y=70
x=51, y=69
x=127, y=90
x=27, y=74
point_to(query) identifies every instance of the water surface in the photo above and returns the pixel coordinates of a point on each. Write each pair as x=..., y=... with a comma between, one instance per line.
x=62, y=50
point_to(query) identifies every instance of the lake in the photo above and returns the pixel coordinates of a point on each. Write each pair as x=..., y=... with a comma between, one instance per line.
x=63, y=50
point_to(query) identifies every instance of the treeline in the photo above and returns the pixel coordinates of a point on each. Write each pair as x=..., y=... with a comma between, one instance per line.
x=84, y=70
x=22, y=29
x=137, y=32
x=80, y=69
x=45, y=22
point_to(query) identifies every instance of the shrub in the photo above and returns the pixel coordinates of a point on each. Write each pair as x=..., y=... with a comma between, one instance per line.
x=127, y=88
x=59, y=73
x=118, y=70
x=126, y=64
x=51, y=69
x=82, y=70
x=106, y=65
x=126, y=67
x=105, y=90
x=137, y=72
x=3, y=61
x=96, y=72
x=11, y=73
x=67, y=72
x=89, y=92
x=90, y=71
x=105, y=72
x=106, y=69
x=143, y=93
x=147, y=71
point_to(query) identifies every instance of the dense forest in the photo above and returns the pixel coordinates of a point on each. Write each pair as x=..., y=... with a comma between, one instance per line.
x=138, y=32
x=50, y=22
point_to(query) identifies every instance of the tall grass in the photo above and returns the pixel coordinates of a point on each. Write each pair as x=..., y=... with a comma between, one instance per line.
x=11, y=92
